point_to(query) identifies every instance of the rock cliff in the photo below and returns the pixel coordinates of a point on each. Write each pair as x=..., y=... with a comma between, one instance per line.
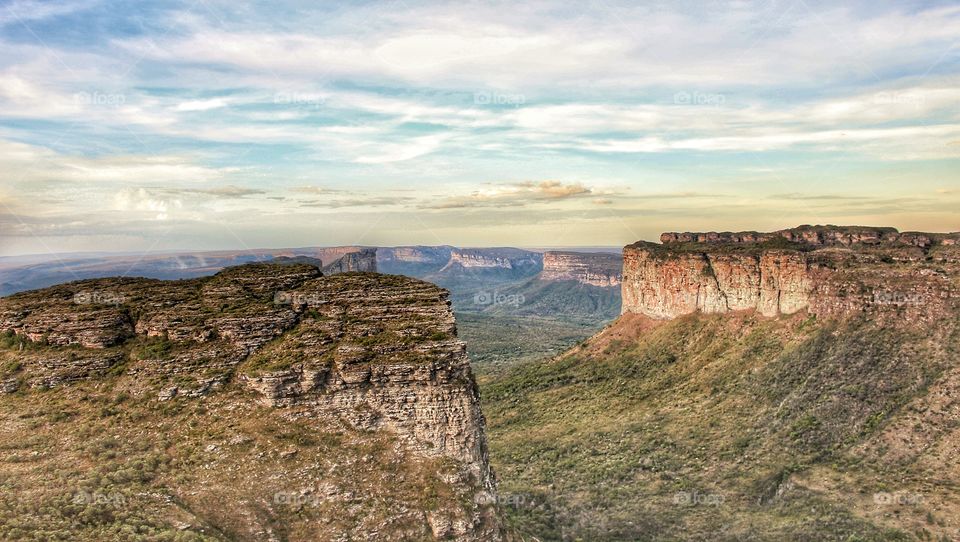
x=827, y=270
x=415, y=261
x=504, y=258
x=364, y=260
x=378, y=352
x=595, y=269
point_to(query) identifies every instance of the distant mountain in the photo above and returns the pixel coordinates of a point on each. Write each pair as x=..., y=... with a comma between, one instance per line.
x=17, y=276
x=471, y=270
x=570, y=285
x=413, y=261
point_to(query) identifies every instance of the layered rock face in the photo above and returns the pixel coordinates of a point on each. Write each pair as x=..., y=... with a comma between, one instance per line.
x=364, y=260
x=818, y=236
x=827, y=270
x=417, y=254
x=504, y=258
x=595, y=269
x=378, y=351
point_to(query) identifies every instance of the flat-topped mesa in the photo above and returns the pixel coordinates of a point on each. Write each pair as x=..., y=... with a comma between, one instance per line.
x=818, y=236
x=378, y=351
x=503, y=258
x=595, y=269
x=826, y=270
x=415, y=254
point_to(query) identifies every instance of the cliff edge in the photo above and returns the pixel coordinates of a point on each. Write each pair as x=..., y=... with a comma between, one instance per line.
x=365, y=369
x=826, y=270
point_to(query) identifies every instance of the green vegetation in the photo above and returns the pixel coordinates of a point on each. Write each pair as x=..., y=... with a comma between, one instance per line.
x=88, y=465
x=704, y=428
x=495, y=342
x=152, y=348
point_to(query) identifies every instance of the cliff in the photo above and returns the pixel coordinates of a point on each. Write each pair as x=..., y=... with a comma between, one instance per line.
x=415, y=261
x=493, y=258
x=826, y=270
x=364, y=359
x=364, y=260
x=595, y=269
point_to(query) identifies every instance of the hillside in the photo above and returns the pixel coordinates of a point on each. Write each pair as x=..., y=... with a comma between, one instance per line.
x=836, y=417
x=267, y=402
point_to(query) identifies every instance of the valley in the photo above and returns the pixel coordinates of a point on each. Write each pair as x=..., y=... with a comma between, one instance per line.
x=735, y=386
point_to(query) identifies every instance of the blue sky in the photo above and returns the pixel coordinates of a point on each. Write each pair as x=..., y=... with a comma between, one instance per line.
x=205, y=124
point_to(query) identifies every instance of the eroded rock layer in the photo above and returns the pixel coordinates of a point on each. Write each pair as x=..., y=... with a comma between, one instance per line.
x=827, y=270
x=595, y=269
x=378, y=351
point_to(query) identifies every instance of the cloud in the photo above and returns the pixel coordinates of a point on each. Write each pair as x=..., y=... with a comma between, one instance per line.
x=363, y=201
x=315, y=190
x=203, y=105
x=513, y=195
x=23, y=11
x=228, y=191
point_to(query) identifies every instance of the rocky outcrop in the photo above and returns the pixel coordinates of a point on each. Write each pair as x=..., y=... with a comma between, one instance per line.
x=496, y=258
x=818, y=236
x=595, y=269
x=378, y=351
x=364, y=260
x=416, y=254
x=829, y=271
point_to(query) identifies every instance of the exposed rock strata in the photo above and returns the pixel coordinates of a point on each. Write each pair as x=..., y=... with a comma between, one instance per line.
x=378, y=351
x=829, y=271
x=505, y=258
x=595, y=269
x=364, y=260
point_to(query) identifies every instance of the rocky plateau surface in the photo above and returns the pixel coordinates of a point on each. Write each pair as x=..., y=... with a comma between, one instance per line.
x=379, y=351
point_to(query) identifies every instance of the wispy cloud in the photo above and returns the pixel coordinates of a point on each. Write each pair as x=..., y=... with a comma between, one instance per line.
x=165, y=116
x=513, y=195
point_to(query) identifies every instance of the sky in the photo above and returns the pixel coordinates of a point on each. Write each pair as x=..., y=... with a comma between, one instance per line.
x=208, y=124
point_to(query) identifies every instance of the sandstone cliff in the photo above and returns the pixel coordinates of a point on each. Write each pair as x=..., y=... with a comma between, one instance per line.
x=595, y=269
x=364, y=260
x=376, y=353
x=827, y=270
x=503, y=258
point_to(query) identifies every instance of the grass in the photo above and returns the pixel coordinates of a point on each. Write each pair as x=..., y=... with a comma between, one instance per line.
x=731, y=408
x=182, y=472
